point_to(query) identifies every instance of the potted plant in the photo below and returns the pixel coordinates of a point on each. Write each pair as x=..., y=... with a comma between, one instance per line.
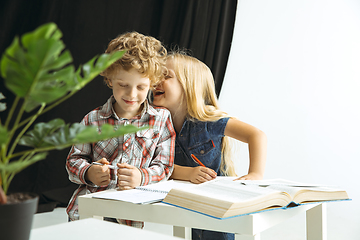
x=38, y=70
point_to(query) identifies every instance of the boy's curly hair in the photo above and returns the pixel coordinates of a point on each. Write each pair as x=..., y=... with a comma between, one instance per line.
x=144, y=53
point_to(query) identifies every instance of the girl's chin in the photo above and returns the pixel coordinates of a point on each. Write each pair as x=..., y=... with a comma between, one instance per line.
x=158, y=102
x=157, y=98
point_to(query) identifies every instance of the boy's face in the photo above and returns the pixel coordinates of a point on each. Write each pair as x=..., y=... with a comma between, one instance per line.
x=130, y=90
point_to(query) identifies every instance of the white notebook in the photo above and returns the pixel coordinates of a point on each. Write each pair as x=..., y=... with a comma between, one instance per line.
x=144, y=194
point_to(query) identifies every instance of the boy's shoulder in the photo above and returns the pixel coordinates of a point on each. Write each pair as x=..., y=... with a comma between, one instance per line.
x=100, y=113
x=159, y=110
x=94, y=115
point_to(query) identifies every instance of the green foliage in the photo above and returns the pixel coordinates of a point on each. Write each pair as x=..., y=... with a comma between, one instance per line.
x=2, y=105
x=38, y=70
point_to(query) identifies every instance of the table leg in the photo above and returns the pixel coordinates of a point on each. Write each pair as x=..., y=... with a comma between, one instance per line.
x=182, y=232
x=247, y=237
x=316, y=223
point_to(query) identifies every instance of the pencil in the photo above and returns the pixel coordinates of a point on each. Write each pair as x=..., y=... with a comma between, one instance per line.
x=110, y=166
x=197, y=160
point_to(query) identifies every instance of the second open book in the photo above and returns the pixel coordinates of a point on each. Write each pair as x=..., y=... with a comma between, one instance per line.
x=223, y=197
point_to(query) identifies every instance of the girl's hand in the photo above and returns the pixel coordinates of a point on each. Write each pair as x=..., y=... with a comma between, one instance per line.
x=201, y=174
x=129, y=176
x=97, y=174
x=251, y=176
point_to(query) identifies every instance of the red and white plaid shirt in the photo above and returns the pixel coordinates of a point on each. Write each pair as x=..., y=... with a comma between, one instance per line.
x=151, y=150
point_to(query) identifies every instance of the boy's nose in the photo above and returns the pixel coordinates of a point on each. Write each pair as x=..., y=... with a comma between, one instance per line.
x=132, y=92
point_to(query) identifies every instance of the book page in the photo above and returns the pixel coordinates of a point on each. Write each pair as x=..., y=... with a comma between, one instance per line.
x=280, y=182
x=232, y=191
x=224, y=197
x=296, y=188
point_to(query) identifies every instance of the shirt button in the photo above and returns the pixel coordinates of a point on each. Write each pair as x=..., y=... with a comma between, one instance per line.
x=202, y=151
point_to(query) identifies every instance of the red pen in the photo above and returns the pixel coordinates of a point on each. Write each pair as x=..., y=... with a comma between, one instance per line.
x=197, y=160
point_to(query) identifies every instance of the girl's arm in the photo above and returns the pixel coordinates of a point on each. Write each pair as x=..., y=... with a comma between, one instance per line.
x=193, y=174
x=257, y=141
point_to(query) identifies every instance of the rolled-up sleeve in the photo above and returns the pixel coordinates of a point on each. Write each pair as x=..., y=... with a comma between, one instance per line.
x=78, y=162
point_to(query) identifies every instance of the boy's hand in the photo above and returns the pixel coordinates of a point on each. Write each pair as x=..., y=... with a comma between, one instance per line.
x=201, y=174
x=99, y=175
x=129, y=176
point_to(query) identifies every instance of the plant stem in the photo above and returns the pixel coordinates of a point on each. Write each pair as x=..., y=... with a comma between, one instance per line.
x=4, y=147
x=24, y=158
x=44, y=149
x=4, y=180
x=13, y=107
x=33, y=118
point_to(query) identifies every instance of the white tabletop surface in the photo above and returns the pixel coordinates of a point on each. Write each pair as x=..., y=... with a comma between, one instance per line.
x=94, y=229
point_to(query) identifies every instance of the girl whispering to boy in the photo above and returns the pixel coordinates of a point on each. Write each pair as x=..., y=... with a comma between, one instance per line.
x=202, y=149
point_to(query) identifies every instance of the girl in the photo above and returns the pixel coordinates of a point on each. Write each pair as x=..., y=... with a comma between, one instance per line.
x=202, y=129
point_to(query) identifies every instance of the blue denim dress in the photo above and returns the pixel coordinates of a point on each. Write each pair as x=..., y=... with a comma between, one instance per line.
x=203, y=140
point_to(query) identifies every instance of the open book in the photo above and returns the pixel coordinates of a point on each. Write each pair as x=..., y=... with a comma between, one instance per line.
x=144, y=194
x=224, y=198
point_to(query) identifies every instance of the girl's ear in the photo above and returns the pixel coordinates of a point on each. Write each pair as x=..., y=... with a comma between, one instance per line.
x=109, y=82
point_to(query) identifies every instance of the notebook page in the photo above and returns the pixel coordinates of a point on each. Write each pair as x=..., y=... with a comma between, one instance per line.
x=143, y=195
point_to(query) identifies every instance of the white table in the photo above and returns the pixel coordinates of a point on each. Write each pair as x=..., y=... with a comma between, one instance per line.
x=246, y=227
x=94, y=229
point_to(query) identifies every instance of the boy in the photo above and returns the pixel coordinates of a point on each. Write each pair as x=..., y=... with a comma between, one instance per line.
x=142, y=158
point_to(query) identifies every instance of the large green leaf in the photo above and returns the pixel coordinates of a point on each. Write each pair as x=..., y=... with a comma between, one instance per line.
x=64, y=137
x=59, y=135
x=36, y=68
x=91, y=134
x=17, y=166
x=94, y=67
x=31, y=66
x=36, y=137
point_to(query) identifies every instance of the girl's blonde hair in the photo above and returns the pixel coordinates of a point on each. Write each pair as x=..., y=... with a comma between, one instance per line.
x=199, y=92
x=144, y=53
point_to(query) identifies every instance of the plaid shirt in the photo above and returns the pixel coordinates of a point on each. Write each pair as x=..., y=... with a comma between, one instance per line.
x=151, y=150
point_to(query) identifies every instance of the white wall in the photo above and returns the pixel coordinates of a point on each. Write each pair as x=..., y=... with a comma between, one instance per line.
x=294, y=72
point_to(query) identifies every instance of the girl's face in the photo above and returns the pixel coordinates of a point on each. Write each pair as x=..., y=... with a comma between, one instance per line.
x=169, y=93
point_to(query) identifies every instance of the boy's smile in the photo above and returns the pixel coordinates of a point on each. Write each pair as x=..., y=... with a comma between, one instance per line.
x=129, y=102
x=130, y=90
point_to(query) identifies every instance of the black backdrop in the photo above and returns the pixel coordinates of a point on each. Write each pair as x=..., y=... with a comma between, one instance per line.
x=205, y=27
